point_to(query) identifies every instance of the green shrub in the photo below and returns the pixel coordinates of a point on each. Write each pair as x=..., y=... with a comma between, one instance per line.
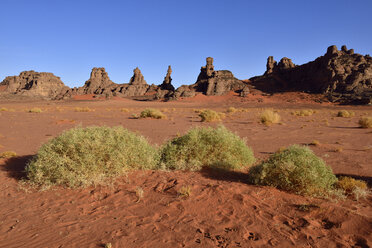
x=152, y=113
x=269, y=117
x=296, y=169
x=217, y=147
x=365, y=122
x=345, y=114
x=208, y=115
x=89, y=156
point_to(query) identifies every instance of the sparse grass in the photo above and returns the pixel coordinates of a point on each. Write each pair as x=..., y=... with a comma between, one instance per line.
x=314, y=143
x=345, y=114
x=208, y=115
x=152, y=113
x=2, y=109
x=269, y=116
x=35, y=110
x=296, y=169
x=365, y=122
x=124, y=110
x=139, y=193
x=216, y=147
x=353, y=187
x=8, y=154
x=184, y=191
x=232, y=110
x=89, y=156
x=303, y=112
x=339, y=149
x=83, y=109
x=108, y=245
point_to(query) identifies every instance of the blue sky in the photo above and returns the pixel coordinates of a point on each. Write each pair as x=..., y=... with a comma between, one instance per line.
x=70, y=37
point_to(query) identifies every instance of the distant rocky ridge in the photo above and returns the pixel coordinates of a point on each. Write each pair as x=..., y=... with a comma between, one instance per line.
x=33, y=84
x=342, y=75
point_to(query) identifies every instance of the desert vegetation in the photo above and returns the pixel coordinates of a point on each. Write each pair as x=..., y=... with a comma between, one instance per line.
x=353, y=187
x=303, y=112
x=345, y=113
x=35, y=110
x=215, y=147
x=296, y=169
x=365, y=122
x=90, y=156
x=8, y=154
x=83, y=109
x=152, y=113
x=208, y=115
x=269, y=117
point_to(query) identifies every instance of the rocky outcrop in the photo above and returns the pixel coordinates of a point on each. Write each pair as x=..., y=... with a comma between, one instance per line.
x=137, y=86
x=98, y=83
x=167, y=83
x=340, y=74
x=166, y=89
x=34, y=84
x=212, y=83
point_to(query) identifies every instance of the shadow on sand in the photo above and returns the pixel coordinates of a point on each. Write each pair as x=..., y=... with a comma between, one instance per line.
x=224, y=175
x=15, y=167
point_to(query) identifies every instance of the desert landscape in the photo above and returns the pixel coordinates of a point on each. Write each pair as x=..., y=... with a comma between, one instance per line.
x=226, y=124
x=207, y=208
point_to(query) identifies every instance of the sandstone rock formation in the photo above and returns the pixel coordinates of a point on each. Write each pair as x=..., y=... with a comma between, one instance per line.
x=98, y=83
x=342, y=75
x=34, y=84
x=212, y=83
x=137, y=86
x=167, y=83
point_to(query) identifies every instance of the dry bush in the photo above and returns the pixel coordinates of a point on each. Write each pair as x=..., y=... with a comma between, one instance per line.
x=365, y=122
x=184, y=191
x=269, y=116
x=83, y=109
x=314, y=143
x=214, y=147
x=211, y=115
x=152, y=113
x=353, y=187
x=296, y=169
x=89, y=156
x=8, y=154
x=124, y=110
x=345, y=114
x=35, y=110
x=303, y=112
x=3, y=109
x=232, y=110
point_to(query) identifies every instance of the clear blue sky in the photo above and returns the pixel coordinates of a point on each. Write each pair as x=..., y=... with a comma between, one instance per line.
x=69, y=37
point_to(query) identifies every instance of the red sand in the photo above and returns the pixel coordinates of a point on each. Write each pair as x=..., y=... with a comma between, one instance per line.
x=222, y=210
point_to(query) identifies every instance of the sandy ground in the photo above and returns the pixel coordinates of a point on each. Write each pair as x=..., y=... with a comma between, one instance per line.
x=222, y=210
